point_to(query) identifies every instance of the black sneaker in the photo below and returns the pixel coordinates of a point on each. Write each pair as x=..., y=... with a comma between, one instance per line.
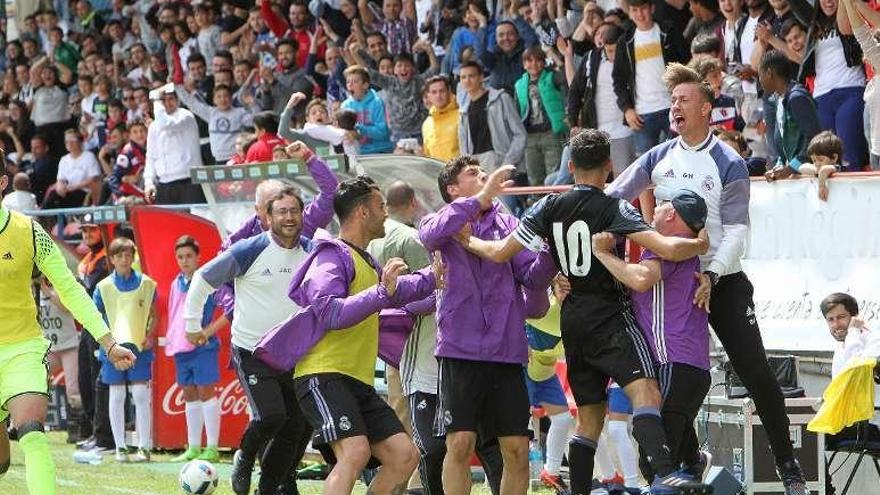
x=679, y=483
x=792, y=478
x=240, y=479
x=699, y=470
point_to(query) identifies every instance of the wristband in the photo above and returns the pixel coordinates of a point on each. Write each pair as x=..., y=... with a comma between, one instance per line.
x=109, y=350
x=713, y=277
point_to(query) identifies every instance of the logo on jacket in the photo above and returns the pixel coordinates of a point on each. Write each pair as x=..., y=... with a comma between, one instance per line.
x=670, y=174
x=266, y=273
x=708, y=183
x=344, y=423
x=8, y=256
x=447, y=417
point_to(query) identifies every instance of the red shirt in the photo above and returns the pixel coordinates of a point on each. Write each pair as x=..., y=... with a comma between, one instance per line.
x=261, y=151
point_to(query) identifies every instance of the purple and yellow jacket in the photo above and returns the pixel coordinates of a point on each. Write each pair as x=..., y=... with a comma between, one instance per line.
x=316, y=215
x=482, y=310
x=320, y=287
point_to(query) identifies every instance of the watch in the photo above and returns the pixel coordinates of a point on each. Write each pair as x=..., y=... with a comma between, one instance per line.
x=713, y=277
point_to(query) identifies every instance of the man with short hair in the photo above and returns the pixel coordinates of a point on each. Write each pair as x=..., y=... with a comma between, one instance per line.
x=504, y=60
x=266, y=131
x=697, y=161
x=172, y=150
x=440, y=128
x=286, y=79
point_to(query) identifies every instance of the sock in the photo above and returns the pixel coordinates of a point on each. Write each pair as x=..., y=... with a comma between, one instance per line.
x=648, y=431
x=603, y=457
x=618, y=431
x=557, y=438
x=117, y=414
x=38, y=463
x=211, y=412
x=140, y=394
x=194, y=421
x=581, y=451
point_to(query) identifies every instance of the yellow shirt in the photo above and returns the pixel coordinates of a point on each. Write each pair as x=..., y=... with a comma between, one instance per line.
x=128, y=312
x=350, y=351
x=24, y=244
x=542, y=364
x=440, y=132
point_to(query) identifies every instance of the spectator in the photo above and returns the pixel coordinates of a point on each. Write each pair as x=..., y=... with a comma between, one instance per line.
x=591, y=100
x=638, y=75
x=63, y=52
x=243, y=142
x=172, y=150
x=734, y=20
x=79, y=176
x=266, y=132
x=756, y=165
x=20, y=122
x=440, y=129
x=277, y=86
x=397, y=22
x=404, y=91
x=208, y=37
x=539, y=94
x=503, y=61
x=489, y=124
x=21, y=198
x=224, y=120
x=824, y=150
x=707, y=44
x=796, y=119
x=744, y=44
x=43, y=168
x=49, y=109
x=372, y=125
x=476, y=17
x=863, y=22
x=126, y=178
x=707, y=19
x=122, y=40
x=724, y=113
x=300, y=28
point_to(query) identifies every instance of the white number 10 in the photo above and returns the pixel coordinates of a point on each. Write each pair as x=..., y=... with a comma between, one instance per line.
x=576, y=244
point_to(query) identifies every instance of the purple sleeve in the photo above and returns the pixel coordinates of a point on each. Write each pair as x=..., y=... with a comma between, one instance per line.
x=413, y=287
x=533, y=271
x=439, y=228
x=424, y=306
x=536, y=302
x=319, y=212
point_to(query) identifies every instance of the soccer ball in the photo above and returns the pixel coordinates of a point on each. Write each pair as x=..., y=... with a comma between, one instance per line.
x=198, y=478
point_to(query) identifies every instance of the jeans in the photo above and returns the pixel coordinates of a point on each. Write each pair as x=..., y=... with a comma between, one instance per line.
x=655, y=130
x=543, y=151
x=842, y=111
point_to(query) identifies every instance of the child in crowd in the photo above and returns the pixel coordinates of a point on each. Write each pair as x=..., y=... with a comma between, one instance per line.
x=195, y=358
x=279, y=154
x=243, y=141
x=21, y=198
x=757, y=165
x=724, y=113
x=540, y=97
x=127, y=176
x=824, y=150
x=224, y=120
x=126, y=299
x=372, y=126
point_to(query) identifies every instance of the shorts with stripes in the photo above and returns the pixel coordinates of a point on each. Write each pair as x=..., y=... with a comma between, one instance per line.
x=616, y=350
x=339, y=406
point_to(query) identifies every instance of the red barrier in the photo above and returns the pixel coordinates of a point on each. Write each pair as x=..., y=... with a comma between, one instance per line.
x=156, y=230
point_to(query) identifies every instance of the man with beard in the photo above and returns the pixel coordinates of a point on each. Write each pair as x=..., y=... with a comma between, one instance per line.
x=299, y=28
x=278, y=85
x=260, y=268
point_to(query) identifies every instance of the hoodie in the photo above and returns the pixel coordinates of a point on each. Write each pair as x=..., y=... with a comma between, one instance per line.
x=505, y=126
x=372, y=125
x=440, y=132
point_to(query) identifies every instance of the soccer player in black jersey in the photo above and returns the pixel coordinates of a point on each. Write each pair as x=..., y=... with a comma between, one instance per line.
x=599, y=331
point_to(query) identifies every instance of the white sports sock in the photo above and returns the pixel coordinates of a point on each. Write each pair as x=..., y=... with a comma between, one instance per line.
x=117, y=414
x=626, y=453
x=211, y=413
x=194, y=421
x=140, y=394
x=557, y=440
x=603, y=457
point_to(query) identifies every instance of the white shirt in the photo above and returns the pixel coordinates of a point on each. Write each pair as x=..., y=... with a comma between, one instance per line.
x=609, y=118
x=74, y=170
x=746, y=46
x=20, y=201
x=651, y=94
x=261, y=271
x=858, y=344
x=831, y=69
x=172, y=146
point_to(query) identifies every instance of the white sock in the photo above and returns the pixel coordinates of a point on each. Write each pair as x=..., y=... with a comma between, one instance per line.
x=194, y=420
x=140, y=394
x=211, y=412
x=626, y=453
x=557, y=440
x=603, y=457
x=117, y=414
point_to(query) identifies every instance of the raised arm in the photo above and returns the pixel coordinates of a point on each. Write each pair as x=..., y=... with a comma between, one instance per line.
x=319, y=212
x=201, y=109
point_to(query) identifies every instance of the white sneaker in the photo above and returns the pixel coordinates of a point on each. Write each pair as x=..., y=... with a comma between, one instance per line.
x=141, y=455
x=121, y=455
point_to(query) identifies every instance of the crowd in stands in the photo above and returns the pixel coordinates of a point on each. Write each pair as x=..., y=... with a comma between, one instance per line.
x=113, y=101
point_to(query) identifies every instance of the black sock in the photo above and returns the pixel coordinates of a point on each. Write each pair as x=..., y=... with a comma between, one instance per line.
x=581, y=453
x=648, y=431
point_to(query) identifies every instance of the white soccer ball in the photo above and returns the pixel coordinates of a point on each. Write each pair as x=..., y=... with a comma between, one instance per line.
x=198, y=477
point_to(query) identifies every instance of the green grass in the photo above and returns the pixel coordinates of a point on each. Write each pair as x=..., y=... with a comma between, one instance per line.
x=158, y=477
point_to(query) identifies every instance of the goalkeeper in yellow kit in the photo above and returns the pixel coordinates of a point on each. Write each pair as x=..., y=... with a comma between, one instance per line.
x=23, y=376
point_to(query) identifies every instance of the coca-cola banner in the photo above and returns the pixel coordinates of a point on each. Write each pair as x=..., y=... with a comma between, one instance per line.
x=156, y=230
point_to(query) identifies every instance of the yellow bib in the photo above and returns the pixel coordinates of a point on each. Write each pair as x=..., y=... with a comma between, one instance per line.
x=18, y=310
x=351, y=351
x=128, y=313
x=542, y=364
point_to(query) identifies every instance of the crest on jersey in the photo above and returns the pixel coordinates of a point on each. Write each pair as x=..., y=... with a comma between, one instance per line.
x=344, y=423
x=708, y=183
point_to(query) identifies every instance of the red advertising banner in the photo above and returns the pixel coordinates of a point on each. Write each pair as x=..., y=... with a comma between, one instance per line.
x=156, y=230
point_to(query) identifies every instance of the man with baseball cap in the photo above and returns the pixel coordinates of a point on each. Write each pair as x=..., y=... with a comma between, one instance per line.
x=673, y=319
